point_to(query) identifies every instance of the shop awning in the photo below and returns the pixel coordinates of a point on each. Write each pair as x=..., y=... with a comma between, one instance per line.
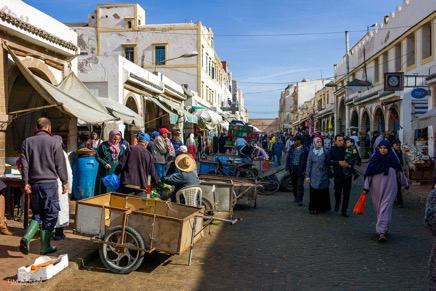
x=187, y=116
x=200, y=103
x=124, y=113
x=76, y=101
x=208, y=118
x=425, y=120
x=173, y=117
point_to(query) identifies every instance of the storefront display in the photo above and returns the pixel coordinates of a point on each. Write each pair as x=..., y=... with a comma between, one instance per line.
x=420, y=165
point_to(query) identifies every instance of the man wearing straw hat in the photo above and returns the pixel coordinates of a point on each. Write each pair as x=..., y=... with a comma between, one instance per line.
x=186, y=177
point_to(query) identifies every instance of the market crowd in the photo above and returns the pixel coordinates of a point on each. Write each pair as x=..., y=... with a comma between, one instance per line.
x=164, y=157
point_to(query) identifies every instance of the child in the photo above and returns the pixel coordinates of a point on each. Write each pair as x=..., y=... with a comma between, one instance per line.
x=351, y=158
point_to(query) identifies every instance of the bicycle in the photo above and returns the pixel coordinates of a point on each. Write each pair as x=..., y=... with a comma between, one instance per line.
x=268, y=184
x=240, y=170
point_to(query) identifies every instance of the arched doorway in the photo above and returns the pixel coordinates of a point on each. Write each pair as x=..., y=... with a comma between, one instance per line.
x=365, y=131
x=341, y=118
x=354, y=124
x=23, y=96
x=131, y=104
x=380, y=120
x=394, y=119
x=155, y=117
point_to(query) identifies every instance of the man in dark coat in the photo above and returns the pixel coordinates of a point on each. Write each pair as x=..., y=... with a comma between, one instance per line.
x=135, y=167
x=306, y=139
x=43, y=162
x=296, y=161
x=336, y=158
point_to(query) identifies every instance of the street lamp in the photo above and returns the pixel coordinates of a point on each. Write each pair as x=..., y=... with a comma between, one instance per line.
x=184, y=56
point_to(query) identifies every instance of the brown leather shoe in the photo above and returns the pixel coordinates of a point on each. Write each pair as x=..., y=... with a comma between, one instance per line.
x=382, y=237
x=5, y=231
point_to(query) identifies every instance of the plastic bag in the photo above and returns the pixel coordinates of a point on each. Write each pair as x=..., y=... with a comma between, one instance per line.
x=360, y=205
x=112, y=182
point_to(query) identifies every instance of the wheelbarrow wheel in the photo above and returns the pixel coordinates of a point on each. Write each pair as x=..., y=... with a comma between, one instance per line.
x=268, y=187
x=121, y=260
x=286, y=183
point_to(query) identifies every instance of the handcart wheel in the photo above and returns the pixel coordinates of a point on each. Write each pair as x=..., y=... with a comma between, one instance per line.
x=121, y=260
x=268, y=187
x=235, y=198
x=286, y=183
x=245, y=173
x=207, y=204
x=208, y=210
x=255, y=172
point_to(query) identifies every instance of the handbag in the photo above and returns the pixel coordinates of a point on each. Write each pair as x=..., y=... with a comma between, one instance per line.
x=360, y=205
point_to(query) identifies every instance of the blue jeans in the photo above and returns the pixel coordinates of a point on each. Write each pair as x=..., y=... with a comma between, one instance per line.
x=277, y=161
x=160, y=170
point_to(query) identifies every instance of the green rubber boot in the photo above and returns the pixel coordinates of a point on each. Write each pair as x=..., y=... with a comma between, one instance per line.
x=45, y=243
x=30, y=233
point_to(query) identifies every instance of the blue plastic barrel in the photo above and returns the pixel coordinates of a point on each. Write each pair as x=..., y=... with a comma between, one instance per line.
x=84, y=175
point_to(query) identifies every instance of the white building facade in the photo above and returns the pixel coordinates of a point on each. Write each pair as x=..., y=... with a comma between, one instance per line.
x=403, y=43
x=121, y=29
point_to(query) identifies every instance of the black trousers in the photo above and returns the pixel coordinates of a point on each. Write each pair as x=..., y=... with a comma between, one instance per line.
x=44, y=202
x=297, y=184
x=399, y=194
x=342, y=191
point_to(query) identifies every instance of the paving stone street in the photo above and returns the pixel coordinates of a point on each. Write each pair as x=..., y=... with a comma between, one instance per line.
x=280, y=246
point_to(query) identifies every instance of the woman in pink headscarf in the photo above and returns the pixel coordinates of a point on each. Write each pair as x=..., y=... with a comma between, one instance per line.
x=107, y=156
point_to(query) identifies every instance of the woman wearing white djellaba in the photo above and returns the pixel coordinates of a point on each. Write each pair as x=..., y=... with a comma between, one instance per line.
x=64, y=213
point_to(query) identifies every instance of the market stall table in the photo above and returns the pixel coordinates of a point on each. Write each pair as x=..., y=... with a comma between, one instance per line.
x=422, y=173
x=14, y=181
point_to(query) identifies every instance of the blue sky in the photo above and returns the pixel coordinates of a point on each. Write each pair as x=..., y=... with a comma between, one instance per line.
x=268, y=44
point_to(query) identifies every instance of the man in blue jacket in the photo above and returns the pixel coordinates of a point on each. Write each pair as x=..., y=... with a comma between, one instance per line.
x=186, y=177
x=296, y=161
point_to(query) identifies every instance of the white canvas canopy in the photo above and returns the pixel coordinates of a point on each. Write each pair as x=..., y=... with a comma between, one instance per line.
x=124, y=113
x=71, y=95
x=425, y=120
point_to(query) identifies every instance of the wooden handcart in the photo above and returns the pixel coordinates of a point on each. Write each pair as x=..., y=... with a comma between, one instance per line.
x=239, y=188
x=126, y=227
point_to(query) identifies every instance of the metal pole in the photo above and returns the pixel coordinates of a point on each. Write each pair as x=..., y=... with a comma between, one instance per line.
x=347, y=58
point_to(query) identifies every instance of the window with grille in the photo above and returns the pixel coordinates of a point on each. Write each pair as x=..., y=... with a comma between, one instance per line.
x=159, y=54
x=398, y=57
x=411, y=50
x=376, y=71
x=385, y=62
x=129, y=53
x=426, y=40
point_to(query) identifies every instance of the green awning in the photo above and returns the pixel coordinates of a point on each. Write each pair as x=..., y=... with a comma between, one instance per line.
x=187, y=116
x=173, y=117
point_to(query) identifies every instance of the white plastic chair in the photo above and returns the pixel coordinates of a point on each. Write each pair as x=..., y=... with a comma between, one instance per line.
x=192, y=194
